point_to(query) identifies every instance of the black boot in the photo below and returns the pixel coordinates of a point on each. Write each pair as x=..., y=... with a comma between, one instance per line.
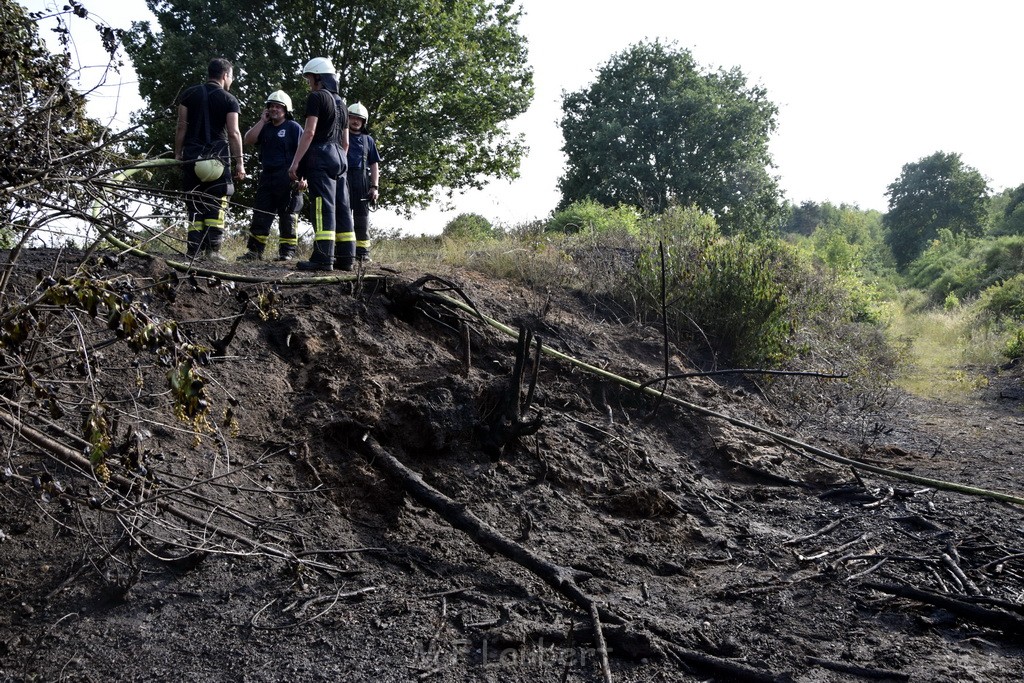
x=314, y=265
x=251, y=255
x=362, y=227
x=322, y=257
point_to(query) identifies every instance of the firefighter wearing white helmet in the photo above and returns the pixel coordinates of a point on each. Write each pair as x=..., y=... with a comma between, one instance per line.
x=345, y=236
x=319, y=65
x=320, y=161
x=276, y=136
x=208, y=139
x=357, y=109
x=281, y=97
x=363, y=176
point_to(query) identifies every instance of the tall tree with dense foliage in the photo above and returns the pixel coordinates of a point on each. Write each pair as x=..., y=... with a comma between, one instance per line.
x=803, y=219
x=440, y=77
x=655, y=130
x=935, y=192
x=1006, y=212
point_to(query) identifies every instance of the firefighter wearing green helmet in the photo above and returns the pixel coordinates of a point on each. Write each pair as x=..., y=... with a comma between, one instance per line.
x=276, y=135
x=208, y=138
x=363, y=176
x=319, y=159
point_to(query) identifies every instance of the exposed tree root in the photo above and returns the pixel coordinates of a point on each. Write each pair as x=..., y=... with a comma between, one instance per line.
x=564, y=580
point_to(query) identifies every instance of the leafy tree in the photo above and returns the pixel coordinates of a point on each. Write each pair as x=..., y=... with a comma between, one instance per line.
x=938, y=191
x=654, y=131
x=469, y=226
x=439, y=77
x=1006, y=212
x=803, y=219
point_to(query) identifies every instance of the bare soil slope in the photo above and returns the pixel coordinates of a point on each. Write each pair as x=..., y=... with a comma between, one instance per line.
x=709, y=552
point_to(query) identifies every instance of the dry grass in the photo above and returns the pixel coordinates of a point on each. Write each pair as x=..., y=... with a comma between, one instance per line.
x=946, y=348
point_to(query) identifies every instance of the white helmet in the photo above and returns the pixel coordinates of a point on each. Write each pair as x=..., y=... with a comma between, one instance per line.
x=209, y=170
x=280, y=97
x=359, y=110
x=318, y=65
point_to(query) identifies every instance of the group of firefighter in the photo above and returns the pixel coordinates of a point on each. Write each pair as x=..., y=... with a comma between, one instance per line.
x=332, y=158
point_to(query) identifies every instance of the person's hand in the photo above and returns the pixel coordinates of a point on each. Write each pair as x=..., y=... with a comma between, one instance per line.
x=239, y=171
x=301, y=184
x=293, y=172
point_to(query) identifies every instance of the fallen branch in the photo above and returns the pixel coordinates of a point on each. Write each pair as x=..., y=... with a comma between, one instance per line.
x=744, y=371
x=602, y=648
x=862, y=671
x=983, y=616
x=562, y=579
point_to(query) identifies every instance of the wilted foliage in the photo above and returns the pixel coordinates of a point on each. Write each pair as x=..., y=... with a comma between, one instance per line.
x=87, y=369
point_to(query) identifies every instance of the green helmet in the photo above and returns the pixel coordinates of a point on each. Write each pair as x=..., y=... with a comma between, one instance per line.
x=280, y=97
x=359, y=110
x=209, y=170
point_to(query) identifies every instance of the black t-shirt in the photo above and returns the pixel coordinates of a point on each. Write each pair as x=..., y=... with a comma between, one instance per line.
x=220, y=103
x=331, y=115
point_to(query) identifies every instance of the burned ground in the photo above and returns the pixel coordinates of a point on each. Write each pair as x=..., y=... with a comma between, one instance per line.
x=283, y=549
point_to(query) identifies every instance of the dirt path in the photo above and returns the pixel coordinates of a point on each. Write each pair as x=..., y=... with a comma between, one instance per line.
x=975, y=438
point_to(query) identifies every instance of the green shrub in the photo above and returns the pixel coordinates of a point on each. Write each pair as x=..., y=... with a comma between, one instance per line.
x=589, y=216
x=722, y=291
x=1015, y=346
x=964, y=267
x=1003, y=258
x=1005, y=300
x=687, y=223
x=468, y=226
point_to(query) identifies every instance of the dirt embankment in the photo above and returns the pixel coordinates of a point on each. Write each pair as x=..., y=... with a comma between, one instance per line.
x=592, y=533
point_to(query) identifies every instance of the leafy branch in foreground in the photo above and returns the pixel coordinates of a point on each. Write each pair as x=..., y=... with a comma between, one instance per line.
x=88, y=370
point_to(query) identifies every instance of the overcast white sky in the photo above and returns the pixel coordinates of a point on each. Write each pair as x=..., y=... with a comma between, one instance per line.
x=862, y=88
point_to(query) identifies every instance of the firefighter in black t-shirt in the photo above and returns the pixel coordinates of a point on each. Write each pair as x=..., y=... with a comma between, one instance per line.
x=319, y=158
x=208, y=136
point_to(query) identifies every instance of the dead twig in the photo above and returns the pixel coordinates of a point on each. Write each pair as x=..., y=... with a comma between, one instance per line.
x=820, y=532
x=833, y=551
x=862, y=671
x=954, y=567
x=602, y=648
x=334, y=599
x=503, y=431
x=867, y=571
